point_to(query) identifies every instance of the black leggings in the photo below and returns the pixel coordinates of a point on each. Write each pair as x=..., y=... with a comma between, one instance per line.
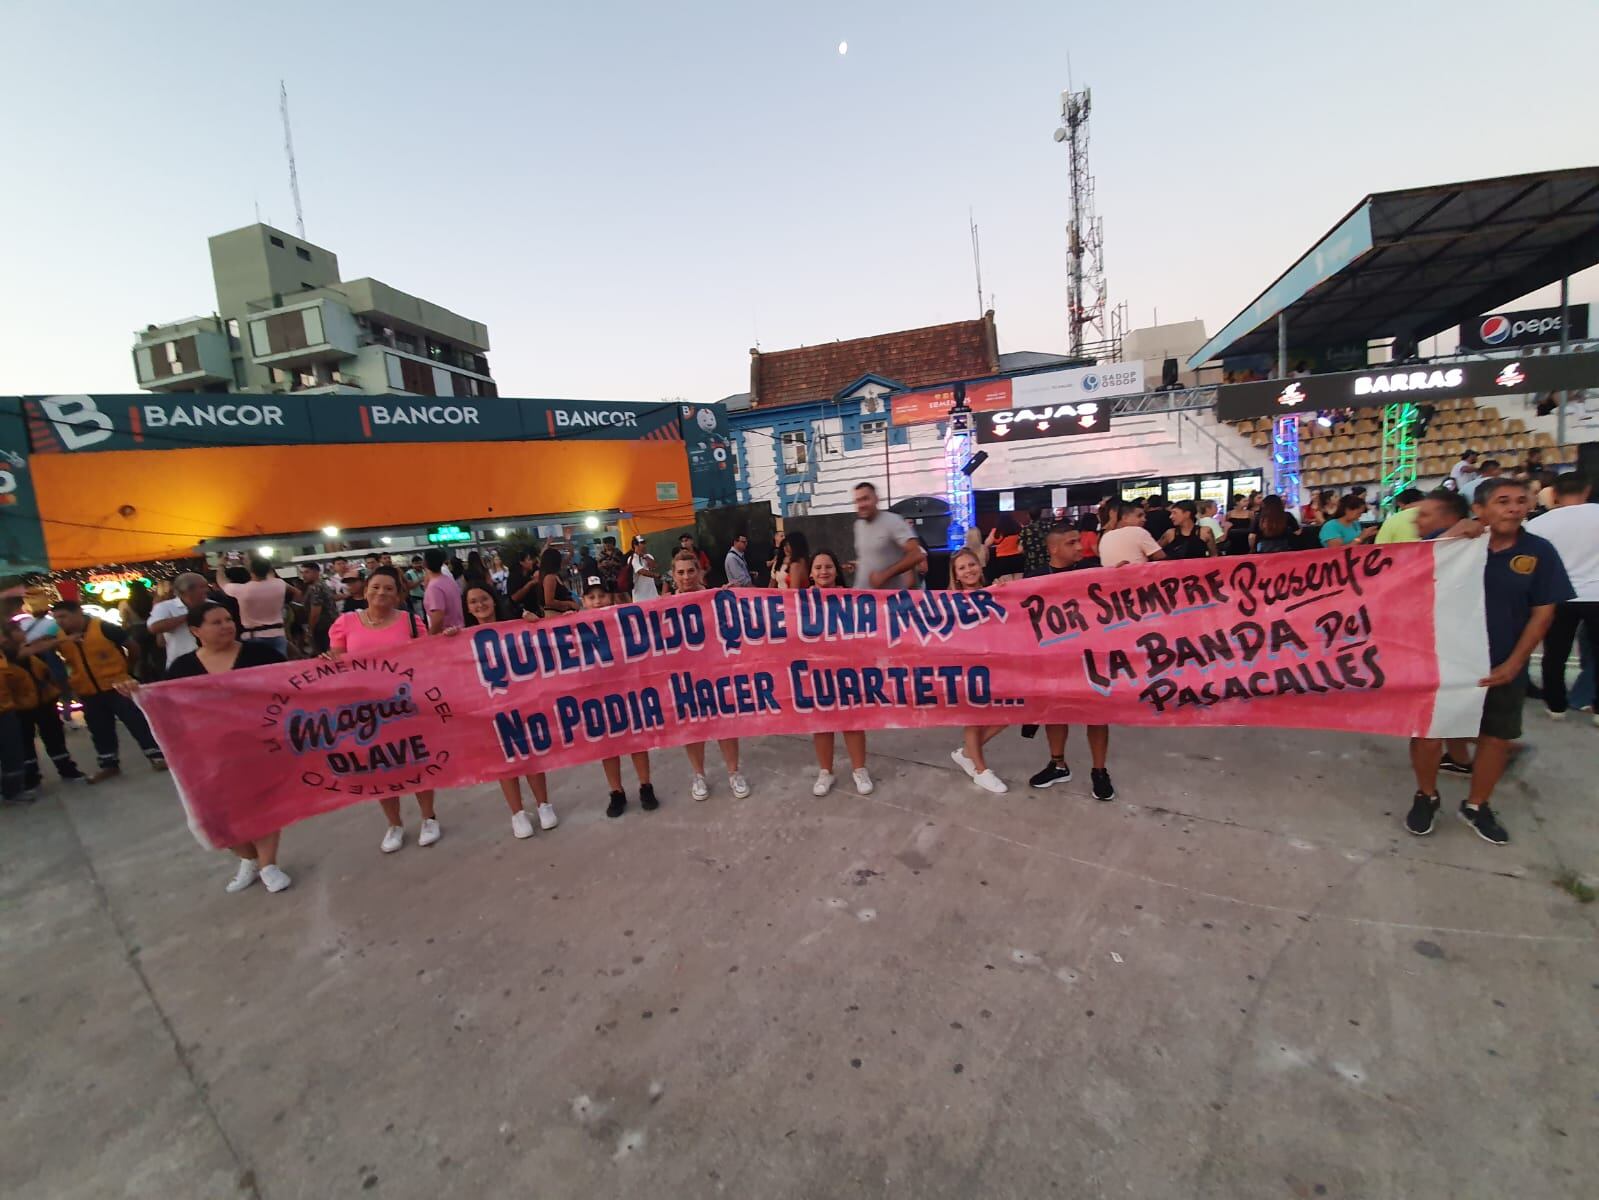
x=1569, y=617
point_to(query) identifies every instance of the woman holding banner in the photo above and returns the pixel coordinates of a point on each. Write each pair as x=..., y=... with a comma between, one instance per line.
x=826, y=572
x=219, y=651
x=966, y=575
x=483, y=608
x=688, y=577
x=384, y=625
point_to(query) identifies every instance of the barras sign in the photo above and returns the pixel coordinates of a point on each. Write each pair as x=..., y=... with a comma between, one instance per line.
x=1394, y=384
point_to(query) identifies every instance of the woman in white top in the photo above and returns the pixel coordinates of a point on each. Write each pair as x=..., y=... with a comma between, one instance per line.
x=645, y=573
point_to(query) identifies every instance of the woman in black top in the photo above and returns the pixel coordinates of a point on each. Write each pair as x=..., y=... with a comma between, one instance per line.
x=557, y=596
x=221, y=651
x=1275, y=529
x=1187, y=538
x=1238, y=521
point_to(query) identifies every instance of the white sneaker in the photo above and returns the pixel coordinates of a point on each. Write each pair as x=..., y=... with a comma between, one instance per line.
x=547, y=817
x=275, y=877
x=740, y=785
x=244, y=877
x=964, y=763
x=989, y=782
x=521, y=824
x=430, y=832
x=699, y=789
x=823, y=784
x=393, y=839
x=863, y=783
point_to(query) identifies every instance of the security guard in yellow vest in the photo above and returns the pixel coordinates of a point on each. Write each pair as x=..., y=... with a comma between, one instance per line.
x=96, y=663
x=35, y=695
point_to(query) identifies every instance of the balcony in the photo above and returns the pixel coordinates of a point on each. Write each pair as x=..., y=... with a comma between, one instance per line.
x=186, y=357
x=296, y=335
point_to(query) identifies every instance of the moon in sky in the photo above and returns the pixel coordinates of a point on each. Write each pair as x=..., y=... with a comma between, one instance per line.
x=843, y=47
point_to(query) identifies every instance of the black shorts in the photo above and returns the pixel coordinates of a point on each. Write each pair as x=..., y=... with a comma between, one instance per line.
x=1501, y=711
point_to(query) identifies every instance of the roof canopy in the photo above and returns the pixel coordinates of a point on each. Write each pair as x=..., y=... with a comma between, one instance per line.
x=1417, y=261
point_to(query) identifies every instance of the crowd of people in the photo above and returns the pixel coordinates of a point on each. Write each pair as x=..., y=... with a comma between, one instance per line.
x=1541, y=587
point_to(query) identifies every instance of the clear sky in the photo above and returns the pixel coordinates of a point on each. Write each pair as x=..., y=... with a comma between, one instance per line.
x=631, y=194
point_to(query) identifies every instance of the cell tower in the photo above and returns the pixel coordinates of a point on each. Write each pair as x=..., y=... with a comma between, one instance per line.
x=288, y=149
x=1085, y=240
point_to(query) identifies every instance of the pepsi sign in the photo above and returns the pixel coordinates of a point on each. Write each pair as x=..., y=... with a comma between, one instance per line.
x=1526, y=327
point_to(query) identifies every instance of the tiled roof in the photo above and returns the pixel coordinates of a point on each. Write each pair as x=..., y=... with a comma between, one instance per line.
x=912, y=357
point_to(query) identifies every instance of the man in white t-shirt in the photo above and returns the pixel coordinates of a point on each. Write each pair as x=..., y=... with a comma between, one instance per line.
x=170, y=618
x=1573, y=527
x=1127, y=540
x=645, y=572
x=1465, y=474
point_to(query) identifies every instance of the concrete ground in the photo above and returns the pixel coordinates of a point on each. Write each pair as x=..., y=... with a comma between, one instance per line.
x=1241, y=979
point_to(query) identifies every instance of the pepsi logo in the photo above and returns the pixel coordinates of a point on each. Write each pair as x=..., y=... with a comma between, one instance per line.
x=1494, y=330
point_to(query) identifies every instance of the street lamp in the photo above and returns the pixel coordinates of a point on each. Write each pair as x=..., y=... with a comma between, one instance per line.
x=330, y=531
x=591, y=522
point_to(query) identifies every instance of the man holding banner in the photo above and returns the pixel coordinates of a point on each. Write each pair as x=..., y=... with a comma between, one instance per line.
x=1523, y=582
x=1066, y=554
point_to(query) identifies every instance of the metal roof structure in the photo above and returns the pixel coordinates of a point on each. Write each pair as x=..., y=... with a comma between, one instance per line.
x=1416, y=261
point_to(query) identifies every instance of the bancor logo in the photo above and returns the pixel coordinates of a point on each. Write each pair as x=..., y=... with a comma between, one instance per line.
x=77, y=420
x=587, y=419
x=424, y=414
x=1494, y=330
x=1409, y=381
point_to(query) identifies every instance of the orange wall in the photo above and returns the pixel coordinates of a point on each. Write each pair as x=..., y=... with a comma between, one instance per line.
x=180, y=497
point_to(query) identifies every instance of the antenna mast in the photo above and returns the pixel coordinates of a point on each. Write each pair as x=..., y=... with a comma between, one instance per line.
x=977, y=261
x=288, y=149
x=1085, y=238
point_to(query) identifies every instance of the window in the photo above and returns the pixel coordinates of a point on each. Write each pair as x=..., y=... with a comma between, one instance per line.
x=874, y=433
x=276, y=241
x=303, y=253
x=233, y=333
x=795, y=452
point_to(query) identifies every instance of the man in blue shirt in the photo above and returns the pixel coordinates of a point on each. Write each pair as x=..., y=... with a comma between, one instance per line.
x=1522, y=582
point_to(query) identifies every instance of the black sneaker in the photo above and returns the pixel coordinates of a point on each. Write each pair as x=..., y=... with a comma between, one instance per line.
x=1453, y=767
x=646, y=797
x=1051, y=775
x=1419, y=820
x=1104, y=789
x=618, y=804
x=1487, y=825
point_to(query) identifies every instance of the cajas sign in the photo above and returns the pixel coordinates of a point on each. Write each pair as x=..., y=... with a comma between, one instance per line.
x=1054, y=420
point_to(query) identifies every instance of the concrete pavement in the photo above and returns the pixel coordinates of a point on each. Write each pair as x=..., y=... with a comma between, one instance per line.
x=1240, y=979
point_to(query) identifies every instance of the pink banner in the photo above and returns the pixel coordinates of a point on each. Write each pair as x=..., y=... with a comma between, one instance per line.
x=1386, y=639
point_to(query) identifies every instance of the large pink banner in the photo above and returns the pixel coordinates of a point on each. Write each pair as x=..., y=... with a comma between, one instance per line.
x=1386, y=639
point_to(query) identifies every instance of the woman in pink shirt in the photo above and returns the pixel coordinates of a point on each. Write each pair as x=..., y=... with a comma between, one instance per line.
x=384, y=625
